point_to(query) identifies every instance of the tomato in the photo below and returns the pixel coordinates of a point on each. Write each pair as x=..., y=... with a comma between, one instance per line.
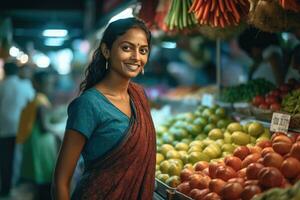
x=275, y=107
x=264, y=106
x=257, y=100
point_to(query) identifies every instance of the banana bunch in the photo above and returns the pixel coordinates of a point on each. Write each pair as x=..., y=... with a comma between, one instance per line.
x=291, y=102
x=220, y=13
x=178, y=16
x=293, y=5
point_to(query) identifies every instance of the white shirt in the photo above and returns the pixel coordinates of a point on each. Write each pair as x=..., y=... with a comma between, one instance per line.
x=265, y=70
x=15, y=93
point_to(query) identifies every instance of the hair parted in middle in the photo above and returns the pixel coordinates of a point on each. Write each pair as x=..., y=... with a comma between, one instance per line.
x=96, y=70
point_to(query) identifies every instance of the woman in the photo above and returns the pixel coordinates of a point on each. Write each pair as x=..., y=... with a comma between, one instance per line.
x=110, y=122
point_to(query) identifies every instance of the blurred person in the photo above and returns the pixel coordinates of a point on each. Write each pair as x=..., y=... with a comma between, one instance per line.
x=39, y=144
x=263, y=48
x=13, y=98
x=110, y=122
x=25, y=73
x=294, y=68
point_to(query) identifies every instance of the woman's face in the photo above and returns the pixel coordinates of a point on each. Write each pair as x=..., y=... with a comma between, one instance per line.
x=129, y=53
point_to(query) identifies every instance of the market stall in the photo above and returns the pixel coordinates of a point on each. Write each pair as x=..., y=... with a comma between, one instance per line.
x=231, y=142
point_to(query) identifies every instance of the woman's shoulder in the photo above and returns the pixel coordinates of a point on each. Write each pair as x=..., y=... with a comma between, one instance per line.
x=87, y=97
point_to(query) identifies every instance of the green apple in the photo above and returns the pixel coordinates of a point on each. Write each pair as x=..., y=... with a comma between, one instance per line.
x=228, y=148
x=266, y=133
x=208, y=128
x=219, y=142
x=201, y=121
x=215, y=134
x=212, y=151
x=227, y=137
x=252, y=139
x=196, y=142
x=234, y=126
x=240, y=138
x=207, y=142
x=255, y=129
x=181, y=146
x=197, y=156
x=195, y=148
x=200, y=137
x=220, y=112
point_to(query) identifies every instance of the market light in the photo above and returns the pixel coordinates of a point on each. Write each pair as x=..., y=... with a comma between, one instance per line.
x=55, y=33
x=168, y=45
x=54, y=42
x=124, y=14
x=41, y=60
x=24, y=58
x=13, y=51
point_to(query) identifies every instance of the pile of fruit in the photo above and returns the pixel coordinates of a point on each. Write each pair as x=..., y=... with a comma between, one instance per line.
x=279, y=98
x=186, y=140
x=249, y=171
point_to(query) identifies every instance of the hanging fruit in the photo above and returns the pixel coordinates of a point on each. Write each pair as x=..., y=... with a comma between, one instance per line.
x=293, y=5
x=178, y=16
x=220, y=13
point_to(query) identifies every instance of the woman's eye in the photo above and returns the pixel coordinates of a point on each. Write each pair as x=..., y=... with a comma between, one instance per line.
x=126, y=48
x=144, y=51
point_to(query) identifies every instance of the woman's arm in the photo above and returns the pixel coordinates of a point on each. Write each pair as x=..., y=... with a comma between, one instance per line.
x=72, y=145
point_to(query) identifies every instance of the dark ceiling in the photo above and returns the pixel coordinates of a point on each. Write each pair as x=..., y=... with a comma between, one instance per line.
x=30, y=17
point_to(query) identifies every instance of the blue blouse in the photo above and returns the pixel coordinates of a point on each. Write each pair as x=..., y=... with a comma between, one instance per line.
x=102, y=123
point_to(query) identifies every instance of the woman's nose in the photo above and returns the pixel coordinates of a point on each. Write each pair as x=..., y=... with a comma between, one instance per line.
x=135, y=54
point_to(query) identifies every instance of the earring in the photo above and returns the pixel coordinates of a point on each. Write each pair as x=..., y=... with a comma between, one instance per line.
x=106, y=65
x=143, y=71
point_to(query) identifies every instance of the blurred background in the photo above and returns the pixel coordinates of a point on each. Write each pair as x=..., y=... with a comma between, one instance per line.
x=188, y=65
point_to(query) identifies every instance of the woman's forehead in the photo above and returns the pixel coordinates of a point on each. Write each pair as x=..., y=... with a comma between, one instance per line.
x=135, y=36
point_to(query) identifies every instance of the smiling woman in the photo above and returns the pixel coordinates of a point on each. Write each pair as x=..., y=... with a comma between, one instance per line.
x=110, y=122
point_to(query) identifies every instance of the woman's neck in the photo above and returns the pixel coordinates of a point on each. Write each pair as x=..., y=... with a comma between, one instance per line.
x=114, y=86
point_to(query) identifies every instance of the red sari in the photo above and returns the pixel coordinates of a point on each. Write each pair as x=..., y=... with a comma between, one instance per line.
x=128, y=171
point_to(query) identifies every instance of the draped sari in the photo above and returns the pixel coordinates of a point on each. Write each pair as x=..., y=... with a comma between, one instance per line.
x=128, y=171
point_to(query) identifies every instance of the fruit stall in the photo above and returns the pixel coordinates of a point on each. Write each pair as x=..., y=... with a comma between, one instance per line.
x=244, y=144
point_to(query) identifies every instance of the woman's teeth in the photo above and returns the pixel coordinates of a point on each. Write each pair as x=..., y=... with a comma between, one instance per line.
x=132, y=67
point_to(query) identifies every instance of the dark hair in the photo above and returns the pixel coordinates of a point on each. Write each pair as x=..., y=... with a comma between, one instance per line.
x=253, y=37
x=96, y=71
x=10, y=68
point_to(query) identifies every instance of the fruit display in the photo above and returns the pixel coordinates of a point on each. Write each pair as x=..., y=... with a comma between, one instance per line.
x=273, y=99
x=250, y=170
x=284, y=99
x=220, y=13
x=202, y=136
x=245, y=92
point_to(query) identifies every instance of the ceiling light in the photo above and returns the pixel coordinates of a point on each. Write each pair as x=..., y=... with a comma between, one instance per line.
x=55, y=33
x=13, y=51
x=54, y=42
x=168, y=45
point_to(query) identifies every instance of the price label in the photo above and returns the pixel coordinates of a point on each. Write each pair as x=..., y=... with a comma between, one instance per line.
x=207, y=100
x=280, y=122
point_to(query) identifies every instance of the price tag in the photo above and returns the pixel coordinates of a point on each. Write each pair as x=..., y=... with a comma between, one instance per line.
x=280, y=122
x=207, y=100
